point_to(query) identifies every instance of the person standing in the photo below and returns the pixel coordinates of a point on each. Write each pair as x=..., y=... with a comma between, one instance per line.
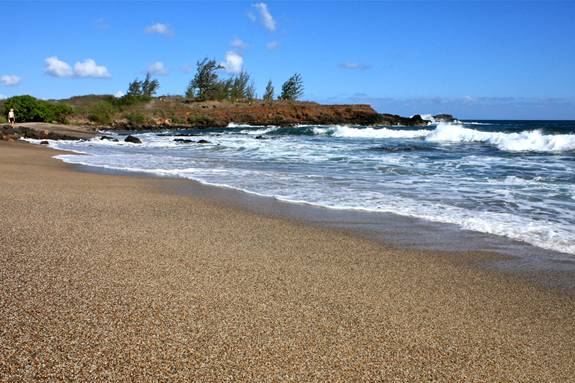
x=11, y=117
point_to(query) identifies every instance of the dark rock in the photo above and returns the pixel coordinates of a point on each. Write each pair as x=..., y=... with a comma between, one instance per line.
x=261, y=138
x=44, y=142
x=183, y=141
x=417, y=121
x=444, y=118
x=394, y=119
x=108, y=138
x=203, y=142
x=133, y=140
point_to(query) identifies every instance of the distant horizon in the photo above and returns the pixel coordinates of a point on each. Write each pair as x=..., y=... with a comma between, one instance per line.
x=475, y=60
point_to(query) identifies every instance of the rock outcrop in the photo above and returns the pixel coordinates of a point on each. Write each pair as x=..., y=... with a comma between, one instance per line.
x=133, y=140
x=45, y=131
x=443, y=118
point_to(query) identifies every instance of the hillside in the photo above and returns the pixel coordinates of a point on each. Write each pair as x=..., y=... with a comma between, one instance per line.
x=175, y=111
x=86, y=114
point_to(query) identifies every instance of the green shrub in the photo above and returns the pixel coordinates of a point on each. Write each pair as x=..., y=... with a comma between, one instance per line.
x=178, y=121
x=130, y=99
x=136, y=119
x=200, y=120
x=101, y=113
x=31, y=109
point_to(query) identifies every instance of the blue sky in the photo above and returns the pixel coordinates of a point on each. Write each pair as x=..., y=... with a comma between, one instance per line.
x=486, y=59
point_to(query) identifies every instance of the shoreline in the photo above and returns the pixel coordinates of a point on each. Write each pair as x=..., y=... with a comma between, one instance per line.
x=148, y=283
x=547, y=268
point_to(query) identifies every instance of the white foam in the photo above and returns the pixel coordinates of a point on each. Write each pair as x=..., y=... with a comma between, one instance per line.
x=237, y=125
x=347, y=131
x=513, y=142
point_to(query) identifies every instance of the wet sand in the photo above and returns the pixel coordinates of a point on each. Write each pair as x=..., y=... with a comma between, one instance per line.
x=114, y=278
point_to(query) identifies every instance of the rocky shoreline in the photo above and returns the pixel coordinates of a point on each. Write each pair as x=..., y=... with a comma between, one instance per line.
x=167, y=113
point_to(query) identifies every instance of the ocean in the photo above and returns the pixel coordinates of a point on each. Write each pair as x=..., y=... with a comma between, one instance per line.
x=508, y=178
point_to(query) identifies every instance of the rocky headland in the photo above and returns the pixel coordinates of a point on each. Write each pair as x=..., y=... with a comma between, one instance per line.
x=93, y=113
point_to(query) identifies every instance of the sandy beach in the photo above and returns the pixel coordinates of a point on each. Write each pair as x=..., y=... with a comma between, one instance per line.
x=115, y=278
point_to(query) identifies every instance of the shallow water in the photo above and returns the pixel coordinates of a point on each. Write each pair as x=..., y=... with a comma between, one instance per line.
x=510, y=178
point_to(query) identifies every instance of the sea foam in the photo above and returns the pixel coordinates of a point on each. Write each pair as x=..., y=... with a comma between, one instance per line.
x=534, y=140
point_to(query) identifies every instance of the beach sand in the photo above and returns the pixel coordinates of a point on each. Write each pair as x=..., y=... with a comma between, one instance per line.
x=115, y=278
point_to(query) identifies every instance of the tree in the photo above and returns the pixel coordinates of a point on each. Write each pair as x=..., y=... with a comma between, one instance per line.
x=269, y=94
x=205, y=85
x=135, y=88
x=149, y=86
x=239, y=89
x=251, y=91
x=143, y=89
x=292, y=89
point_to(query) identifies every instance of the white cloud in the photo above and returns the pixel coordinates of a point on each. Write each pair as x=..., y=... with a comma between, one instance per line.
x=10, y=80
x=238, y=43
x=272, y=45
x=57, y=68
x=86, y=69
x=267, y=18
x=158, y=68
x=89, y=68
x=251, y=16
x=234, y=62
x=119, y=94
x=354, y=66
x=160, y=29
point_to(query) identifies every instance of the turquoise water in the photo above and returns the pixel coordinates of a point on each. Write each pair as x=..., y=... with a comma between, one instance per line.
x=510, y=178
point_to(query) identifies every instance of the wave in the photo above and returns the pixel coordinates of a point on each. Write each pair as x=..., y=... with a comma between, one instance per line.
x=527, y=141
x=347, y=131
x=534, y=141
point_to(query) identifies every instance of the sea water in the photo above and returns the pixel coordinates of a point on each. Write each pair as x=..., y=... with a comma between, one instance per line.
x=508, y=178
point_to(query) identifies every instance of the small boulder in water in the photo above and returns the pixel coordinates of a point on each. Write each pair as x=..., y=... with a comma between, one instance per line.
x=183, y=141
x=203, y=142
x=261, y=138
x=44, y=142
x=108, y=138
x=133, y=140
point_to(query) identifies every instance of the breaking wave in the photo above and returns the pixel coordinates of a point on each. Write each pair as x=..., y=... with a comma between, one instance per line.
x=534, y=141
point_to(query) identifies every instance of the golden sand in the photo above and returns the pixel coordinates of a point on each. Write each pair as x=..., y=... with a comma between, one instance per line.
x=113, y=278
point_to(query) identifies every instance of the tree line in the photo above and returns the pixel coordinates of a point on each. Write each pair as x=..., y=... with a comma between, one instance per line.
x=207, y=86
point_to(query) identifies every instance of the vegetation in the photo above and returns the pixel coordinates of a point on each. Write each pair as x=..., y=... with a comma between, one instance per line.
x=269, y=93
x=207, y=86
x=31, y=109
x=144, y=89
x=136, y=119
x=292, y=89
x=139, y=106
x=201, y=120
x=102, y=113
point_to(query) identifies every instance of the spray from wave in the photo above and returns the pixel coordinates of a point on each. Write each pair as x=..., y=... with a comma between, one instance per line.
x=525, y=141
x=534, y=140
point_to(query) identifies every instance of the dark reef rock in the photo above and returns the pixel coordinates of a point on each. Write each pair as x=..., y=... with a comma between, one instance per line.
x=133, y=140
x=44, y=142
x=443, y=118
x=108, y=138
x=183, y=141
x=394, y=119
x=203, y=142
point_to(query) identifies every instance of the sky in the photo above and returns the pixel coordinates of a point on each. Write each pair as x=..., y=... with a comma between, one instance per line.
x=475, y=60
